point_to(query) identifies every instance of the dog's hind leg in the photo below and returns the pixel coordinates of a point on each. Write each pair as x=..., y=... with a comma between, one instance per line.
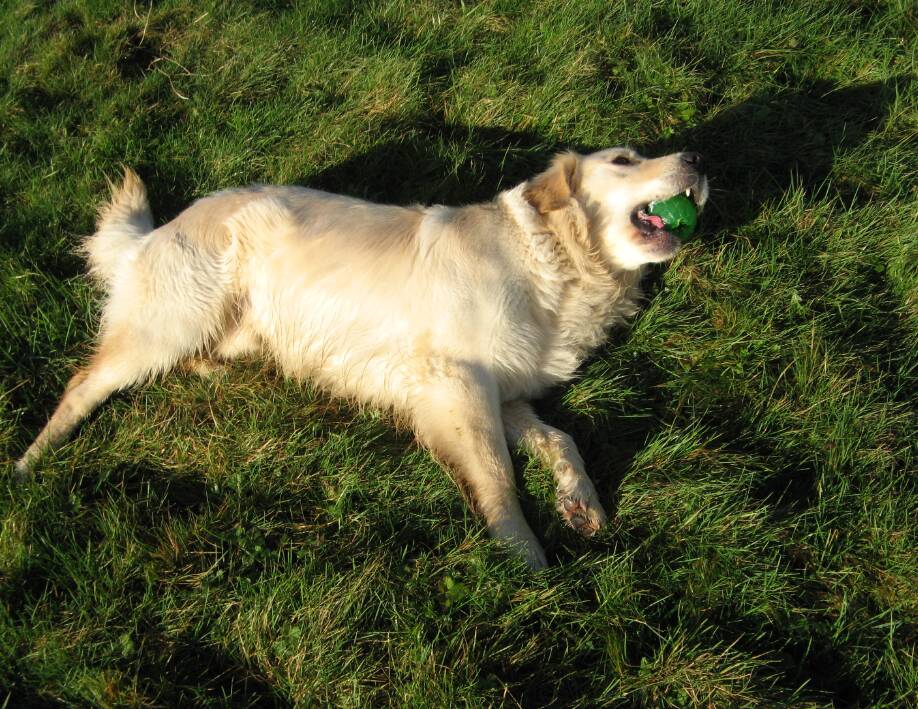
x=113, y=367
x=458, y=418
x=578, y=503
x=172, y=305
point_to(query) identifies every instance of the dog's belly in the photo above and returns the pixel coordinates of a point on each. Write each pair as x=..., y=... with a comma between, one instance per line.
x=381, y=339
x=372, y=302
x=372, y=334
x=354, y=342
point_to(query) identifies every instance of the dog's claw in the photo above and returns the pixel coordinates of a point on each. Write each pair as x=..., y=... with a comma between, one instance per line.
x=578, y=503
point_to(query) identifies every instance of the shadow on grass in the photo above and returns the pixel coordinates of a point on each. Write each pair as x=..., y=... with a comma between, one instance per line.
x=753, y=151
x=188, y=672
x=183, y=672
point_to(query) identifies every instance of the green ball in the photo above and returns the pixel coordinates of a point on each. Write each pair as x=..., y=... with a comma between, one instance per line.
x=678, y=214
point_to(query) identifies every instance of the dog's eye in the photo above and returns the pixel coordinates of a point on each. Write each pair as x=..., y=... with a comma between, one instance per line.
x=622, y=160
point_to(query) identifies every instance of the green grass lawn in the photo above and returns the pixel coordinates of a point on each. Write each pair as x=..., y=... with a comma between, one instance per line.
x=242, y=540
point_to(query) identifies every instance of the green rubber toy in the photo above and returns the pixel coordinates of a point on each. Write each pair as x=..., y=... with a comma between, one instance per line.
x=678, y=214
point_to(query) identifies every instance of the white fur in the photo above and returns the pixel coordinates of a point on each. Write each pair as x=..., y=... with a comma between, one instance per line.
x=451, y=317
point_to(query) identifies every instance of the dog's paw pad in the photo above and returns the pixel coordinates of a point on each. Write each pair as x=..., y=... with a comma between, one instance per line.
x=580, y=514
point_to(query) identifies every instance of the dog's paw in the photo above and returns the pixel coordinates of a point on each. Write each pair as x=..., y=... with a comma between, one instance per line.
x=22, y=470
x=535, y=557
x=578, y=504
x=522, y=542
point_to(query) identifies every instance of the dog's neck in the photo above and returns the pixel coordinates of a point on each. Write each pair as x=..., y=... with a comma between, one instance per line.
x=569, y=276
x=562, y=246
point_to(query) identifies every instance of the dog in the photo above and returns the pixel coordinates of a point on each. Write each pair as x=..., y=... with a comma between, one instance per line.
x=452, y=318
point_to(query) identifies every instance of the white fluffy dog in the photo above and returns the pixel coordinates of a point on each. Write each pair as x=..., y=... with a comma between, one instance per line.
x=453, y=317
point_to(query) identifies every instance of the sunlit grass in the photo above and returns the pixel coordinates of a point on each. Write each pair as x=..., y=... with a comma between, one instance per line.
x=245, y=540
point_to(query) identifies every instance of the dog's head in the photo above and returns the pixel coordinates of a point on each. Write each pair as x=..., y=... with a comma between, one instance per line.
x=614, y=187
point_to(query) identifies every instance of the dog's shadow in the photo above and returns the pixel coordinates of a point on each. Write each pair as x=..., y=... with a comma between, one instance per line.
x=753, y=153
x=755, y=150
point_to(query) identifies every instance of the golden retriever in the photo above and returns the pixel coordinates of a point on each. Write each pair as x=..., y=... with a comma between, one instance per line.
x=452, y=317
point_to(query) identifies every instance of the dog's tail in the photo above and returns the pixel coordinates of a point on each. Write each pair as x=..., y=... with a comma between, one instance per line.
x=120, y=228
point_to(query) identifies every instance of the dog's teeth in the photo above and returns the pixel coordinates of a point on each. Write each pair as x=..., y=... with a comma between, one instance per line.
x=688, y=192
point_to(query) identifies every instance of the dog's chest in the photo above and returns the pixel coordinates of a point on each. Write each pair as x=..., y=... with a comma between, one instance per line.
x=557, y=322
x=582, y=322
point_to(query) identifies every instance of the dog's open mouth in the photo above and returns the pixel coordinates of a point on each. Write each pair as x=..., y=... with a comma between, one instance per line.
x=650, y=224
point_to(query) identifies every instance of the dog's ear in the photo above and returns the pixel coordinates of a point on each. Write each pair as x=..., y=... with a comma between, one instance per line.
x=554, y=188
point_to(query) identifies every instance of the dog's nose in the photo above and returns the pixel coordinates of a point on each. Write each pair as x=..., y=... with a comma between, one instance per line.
x=693, y=159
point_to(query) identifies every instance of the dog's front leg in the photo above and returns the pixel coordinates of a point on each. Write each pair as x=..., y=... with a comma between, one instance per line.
x=457, y=415
x=577, y=500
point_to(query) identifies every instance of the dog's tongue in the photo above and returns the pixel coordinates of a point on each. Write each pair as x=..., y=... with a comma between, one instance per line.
x=657, y=222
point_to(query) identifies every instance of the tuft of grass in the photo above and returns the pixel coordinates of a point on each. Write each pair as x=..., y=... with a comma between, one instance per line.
x=244, y=540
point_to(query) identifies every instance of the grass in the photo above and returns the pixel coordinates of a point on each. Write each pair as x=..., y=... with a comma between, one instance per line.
x=242, y=540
